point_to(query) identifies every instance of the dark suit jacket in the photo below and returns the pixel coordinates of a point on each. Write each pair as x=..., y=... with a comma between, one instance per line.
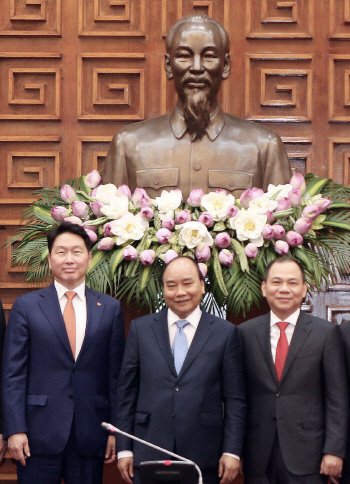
x=345, y=331
x=2, y=338
x=308, y=408
x=202, y=410
x=43, y=386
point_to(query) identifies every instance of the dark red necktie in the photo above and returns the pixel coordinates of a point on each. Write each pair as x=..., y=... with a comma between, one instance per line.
x=282, y=350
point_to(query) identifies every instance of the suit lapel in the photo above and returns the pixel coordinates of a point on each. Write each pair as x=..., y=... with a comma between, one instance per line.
x=94, y=310
x=161, y=332
x=263, y=335
x=51, y=308
x=300, y=335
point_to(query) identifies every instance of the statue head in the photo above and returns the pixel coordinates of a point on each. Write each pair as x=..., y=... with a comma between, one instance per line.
x=198, y=60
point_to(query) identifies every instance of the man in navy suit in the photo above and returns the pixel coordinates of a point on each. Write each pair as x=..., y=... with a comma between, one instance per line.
x=345, y=331
x=190, y=403
x=296, y=387
x=61, y=370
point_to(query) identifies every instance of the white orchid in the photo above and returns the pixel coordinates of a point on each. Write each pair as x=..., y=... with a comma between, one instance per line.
x=281, y=191
x=262, y=205
x=217, y=204
x=193, y=233
x=104, y=193
x=249, y=225
x=129, y=227
x=117, y=207
x=169, y=201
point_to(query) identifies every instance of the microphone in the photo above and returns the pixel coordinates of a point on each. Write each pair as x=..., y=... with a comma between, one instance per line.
x=114, y=430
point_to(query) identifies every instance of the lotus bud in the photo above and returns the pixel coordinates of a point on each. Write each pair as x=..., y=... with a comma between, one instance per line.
x=295, y=197
x=206, y=219
x=147, y=257
x=323, y=204
x=130, y=253
x=232, y=211
x=93, y=192
x=96, y=208
x=270, y=216
x=246, y=198
x=59, y=213
x=298, y=181
x=251, y=250
x=221, y=190
x=147, y=213
x=283, y=204
x=279, y=231
x=93, y=179
x=80, y=209
x=170, y=255
x=163, y=236
x=68, y=193
x=311, y=212
x=294, y=238
x=303, y=225
x=107, y=243
x=92, y=235
x=183, y=217
x=73, y=220
x=281, y=247
x=223, y=240
x=267, y=232
x=140, y=198
x=204, y=269
x=168, y=223
x=107, y=229
x=124, y=190
x=195, y=197
x=226, y=257
x=203, y=253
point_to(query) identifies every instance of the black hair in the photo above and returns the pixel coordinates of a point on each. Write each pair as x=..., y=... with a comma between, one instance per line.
x=282, y=260
x=200, y=275
x=64, y=227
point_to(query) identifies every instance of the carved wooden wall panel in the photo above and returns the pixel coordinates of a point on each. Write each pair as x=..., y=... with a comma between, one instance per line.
x=73, y=73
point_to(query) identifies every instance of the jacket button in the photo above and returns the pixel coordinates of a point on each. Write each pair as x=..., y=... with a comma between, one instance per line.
x=278, y=394
x=197, y=166
x=177, y=389
x=156, y=181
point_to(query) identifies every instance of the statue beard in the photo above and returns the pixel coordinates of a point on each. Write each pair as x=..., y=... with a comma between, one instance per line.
x=196, y=112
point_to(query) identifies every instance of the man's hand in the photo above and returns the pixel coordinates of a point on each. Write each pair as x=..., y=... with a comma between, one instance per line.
x=110, y=450
x=2, y=448
x=228, y=469
x=331, y=466
x=19, y=447
x=126, y=468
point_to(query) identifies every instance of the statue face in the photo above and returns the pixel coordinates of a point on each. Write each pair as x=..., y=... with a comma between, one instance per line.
x=197, y=61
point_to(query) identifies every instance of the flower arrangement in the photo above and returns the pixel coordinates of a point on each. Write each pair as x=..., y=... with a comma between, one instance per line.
x=232, y=239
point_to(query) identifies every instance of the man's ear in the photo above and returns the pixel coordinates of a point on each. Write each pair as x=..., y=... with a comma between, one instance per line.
x=227, y=67
x=49, y=259
x=168, y=67
x=263, y=288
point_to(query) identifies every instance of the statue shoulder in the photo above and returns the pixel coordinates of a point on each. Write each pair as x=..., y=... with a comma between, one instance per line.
x=144, y=128
x=249, y=127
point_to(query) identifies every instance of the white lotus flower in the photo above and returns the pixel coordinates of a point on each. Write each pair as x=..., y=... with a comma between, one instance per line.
x=262, y=205
x=217, y=204
x=193, y=233
x=104, y=193
x=129, y=227
x=249, y=225
x=117, y=207
x=169, y=201
x=282, y=190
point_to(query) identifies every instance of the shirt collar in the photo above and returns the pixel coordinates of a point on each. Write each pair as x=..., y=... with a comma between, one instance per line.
x=193, y=318
x=292, y=319
x=178, y=125
x=61, y=290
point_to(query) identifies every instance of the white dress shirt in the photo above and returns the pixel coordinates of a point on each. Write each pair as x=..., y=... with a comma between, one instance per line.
x=79, y=304
x=275, y=331
x=190, y=331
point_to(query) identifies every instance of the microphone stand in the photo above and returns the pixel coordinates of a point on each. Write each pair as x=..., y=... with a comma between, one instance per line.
x=114, y=430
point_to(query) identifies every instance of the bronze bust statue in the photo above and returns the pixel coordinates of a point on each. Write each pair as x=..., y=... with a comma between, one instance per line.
x=197, y=145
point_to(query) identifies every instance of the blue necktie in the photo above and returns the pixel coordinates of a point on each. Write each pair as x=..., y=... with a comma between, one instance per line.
x=180, y=346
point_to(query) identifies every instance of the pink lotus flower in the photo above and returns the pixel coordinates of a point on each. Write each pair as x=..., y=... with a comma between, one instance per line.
x=163, y=236
x=147, y=257
x=93, y=179
x=295, y=197
x=93, y=193
x=283, y=204
x=232, y=211
x=203, y=253
x=281, y=247
x=170, y=255
x=73, y=220
x=59, y=213
x=249, y=195
x=226, y=257
x=270, y=216
x=96, y=208
x=147, y=213
x=107, y=243
x=279, y=231
x=251, y=250
x=303, y=225
x=294, y=238
x=298, y=181
x=311, y=212
x=183, y=217
x=195, y=197
x=107, y=229
x=124, y=190
x=168, y=223
x=141, y=199
x=68, y=193
x=223, y=240
x=80, y=209
x=323, y=204
x=130, y=253
x=267, y=232
x=92, y=235
x=206, y=219
x=90, y=227
x=203, y=268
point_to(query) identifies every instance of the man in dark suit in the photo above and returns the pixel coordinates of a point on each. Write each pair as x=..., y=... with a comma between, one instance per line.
x=2, y=338
x=194, y=404
x=62, y=357
x=345, y=331
x=296, y=387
